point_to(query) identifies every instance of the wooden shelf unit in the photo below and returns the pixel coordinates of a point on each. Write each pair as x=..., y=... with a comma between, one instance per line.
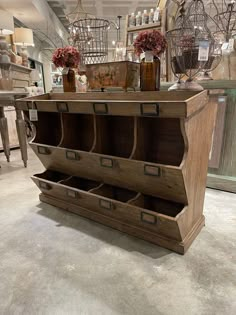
x=134, y=161
x=138, y=28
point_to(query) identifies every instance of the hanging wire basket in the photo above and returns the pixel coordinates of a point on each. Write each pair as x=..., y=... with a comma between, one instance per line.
x=90, y=36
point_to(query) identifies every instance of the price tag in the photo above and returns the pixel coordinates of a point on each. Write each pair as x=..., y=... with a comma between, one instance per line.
x=231, y=44
x=225, y=46
x=33, y=114
x=65, y=70
x=203, y=52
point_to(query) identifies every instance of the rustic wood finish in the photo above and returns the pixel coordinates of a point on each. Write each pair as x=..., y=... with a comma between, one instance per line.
x=141, y=170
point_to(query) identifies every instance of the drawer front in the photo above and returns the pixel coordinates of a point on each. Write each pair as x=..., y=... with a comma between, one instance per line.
x=20, y=83
x=110, y=208
x=16, y=75
x=160, y=181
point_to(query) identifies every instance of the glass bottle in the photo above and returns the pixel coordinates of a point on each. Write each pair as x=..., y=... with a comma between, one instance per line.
x=157, y=15
x=151, y=16
x=145, y=17
x=139, y=18
x=132, y=20
x=150, y=74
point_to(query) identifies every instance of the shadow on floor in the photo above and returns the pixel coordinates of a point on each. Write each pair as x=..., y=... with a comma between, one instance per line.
x=102, y=232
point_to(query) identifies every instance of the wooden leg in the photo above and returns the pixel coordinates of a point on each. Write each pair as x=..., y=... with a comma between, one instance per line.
x=4, y=134
x=20, y=127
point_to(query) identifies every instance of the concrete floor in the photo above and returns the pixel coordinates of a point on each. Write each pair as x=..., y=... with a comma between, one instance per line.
x=53, y=262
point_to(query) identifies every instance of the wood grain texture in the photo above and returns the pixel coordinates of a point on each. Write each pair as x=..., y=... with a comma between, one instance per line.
x=198, y=131
x=170, y=104
x=10, y=115
x=121, y=172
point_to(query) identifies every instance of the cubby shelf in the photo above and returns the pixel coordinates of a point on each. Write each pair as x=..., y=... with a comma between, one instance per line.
x=133, y=161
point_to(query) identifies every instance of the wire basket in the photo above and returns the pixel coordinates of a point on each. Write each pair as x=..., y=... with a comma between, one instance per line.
x=90, y=35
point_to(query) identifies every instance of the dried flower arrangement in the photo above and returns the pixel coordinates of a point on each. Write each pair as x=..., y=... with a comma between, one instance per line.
x=66, y=57
x=150, y=40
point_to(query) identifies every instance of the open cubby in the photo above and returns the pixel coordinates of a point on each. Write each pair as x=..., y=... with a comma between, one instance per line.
x=159, y=141
x=115, y=135
x=169, y=208
x=48, y=129
x=116, y=193
x=80, y=183
x=52, y=176
x=78, y=131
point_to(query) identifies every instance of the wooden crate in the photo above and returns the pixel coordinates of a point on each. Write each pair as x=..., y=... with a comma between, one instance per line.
x=124, y=74
x=134, y=161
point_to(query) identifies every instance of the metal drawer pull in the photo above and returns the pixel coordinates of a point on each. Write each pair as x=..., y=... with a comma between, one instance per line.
x=62, y=107
x=148, y=218
x=100, y=108
x=45, y=186
x=105, y=204
x=71, y=155
x=44, y=150
x=150, y=109
x=105, y=162
x=72, y=194
x=152, y=170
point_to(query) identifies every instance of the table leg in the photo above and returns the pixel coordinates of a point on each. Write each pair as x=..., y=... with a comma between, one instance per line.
x=20, y=127
x=4, y=134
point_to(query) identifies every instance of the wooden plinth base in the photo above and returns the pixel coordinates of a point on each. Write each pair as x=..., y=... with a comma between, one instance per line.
x=179, y=247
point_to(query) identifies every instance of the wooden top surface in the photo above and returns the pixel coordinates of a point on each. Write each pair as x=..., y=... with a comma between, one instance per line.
x=163, y=104
x=159, y=96
x=11, y=95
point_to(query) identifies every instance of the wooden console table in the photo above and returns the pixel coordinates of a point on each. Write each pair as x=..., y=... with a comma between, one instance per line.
x=134, y=161
x=7, y=98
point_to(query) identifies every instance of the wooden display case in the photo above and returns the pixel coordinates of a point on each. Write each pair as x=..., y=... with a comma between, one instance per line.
x=134, y=161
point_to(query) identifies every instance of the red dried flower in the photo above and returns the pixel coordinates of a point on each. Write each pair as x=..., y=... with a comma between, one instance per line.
x=67, y=56
x=150, y=40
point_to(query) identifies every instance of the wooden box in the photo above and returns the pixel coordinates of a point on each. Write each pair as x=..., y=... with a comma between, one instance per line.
x=124, y=74
x=134, y=161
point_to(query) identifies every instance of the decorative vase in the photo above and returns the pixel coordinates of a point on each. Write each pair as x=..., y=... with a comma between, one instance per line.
x=68, y=77
x=150, y=70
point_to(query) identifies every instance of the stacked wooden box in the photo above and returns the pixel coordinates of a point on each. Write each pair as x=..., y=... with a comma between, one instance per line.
x=134, y=161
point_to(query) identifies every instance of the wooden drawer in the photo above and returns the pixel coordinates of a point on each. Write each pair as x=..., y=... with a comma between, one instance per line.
x=65, y=187
x=20, y=83
x=152, y=214
x=157, y=104
x=154, y=179
x=18, y=75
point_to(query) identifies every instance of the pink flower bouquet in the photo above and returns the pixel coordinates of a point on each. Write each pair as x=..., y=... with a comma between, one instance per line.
x=66, y=57
x=150, y=40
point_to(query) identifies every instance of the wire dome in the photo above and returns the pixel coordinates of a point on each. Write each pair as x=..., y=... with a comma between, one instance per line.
x=225, y=17
x=190, y=38
x=90, y=35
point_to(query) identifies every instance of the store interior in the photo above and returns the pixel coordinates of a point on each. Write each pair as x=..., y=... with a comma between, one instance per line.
x=117, y=157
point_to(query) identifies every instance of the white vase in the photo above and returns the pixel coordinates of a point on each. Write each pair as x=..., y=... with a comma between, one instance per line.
x=148, y=56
